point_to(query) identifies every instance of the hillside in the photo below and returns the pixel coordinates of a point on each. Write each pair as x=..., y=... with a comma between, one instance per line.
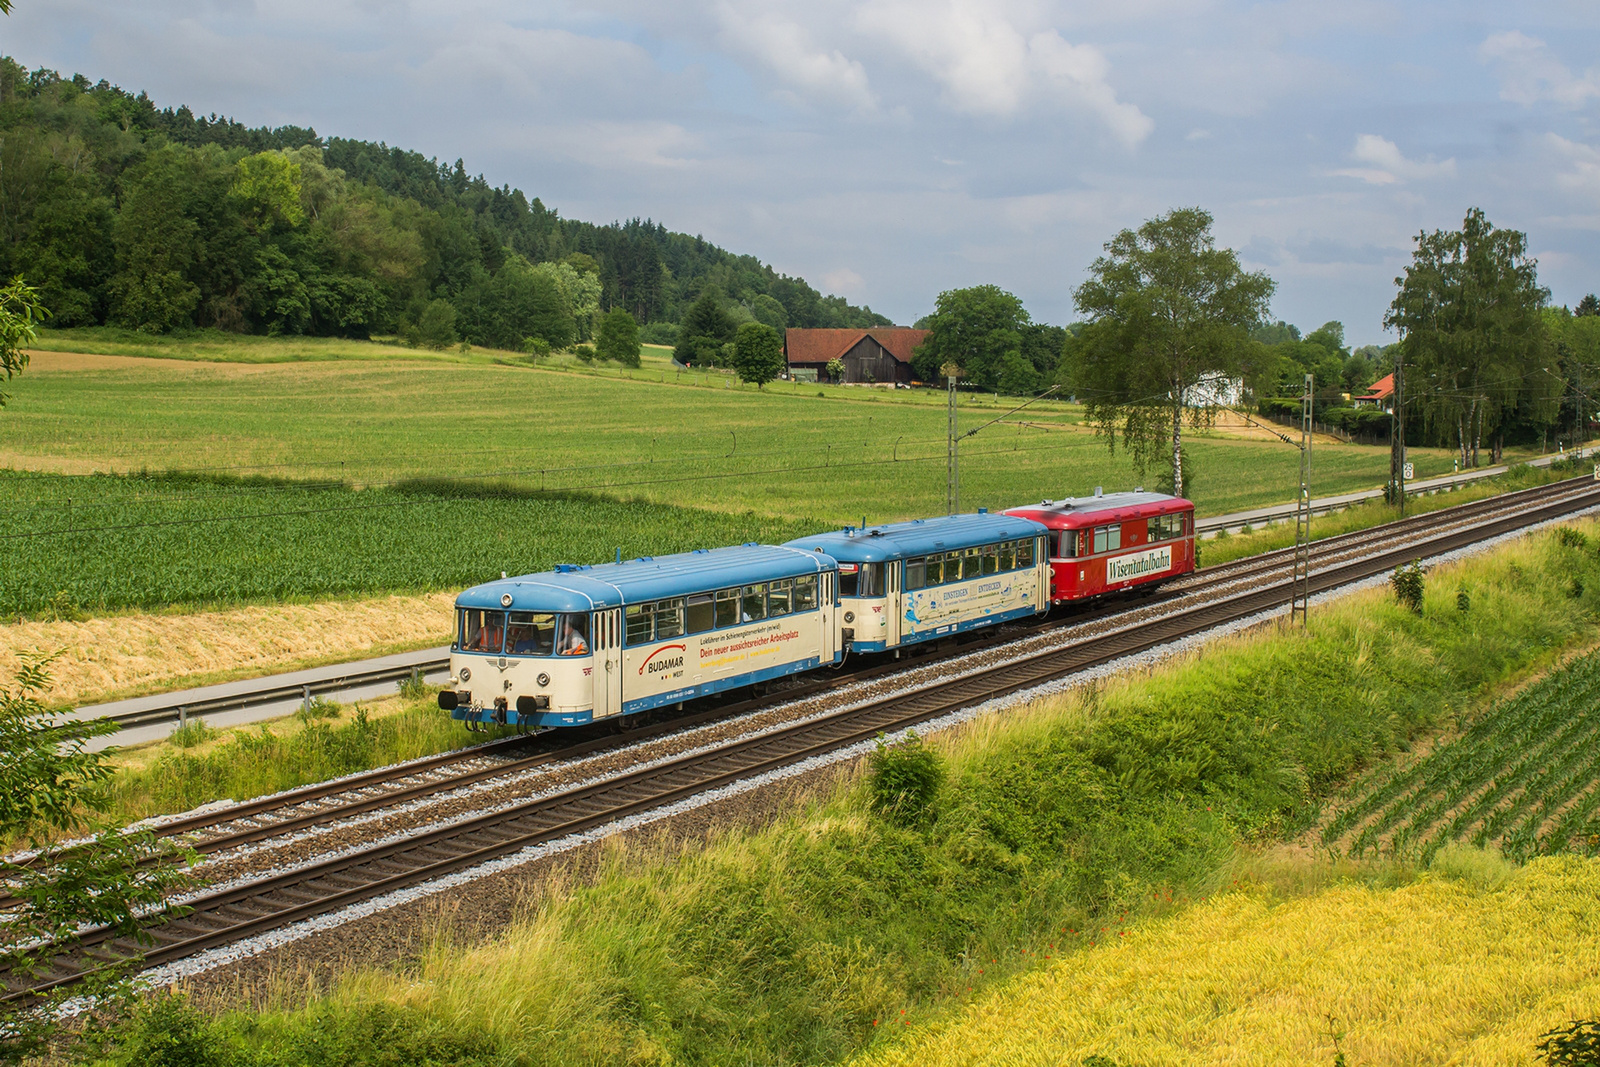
x=124, y=213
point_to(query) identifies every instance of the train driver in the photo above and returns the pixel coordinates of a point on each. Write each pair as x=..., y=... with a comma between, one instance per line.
x=574, y=641
x=489, y=637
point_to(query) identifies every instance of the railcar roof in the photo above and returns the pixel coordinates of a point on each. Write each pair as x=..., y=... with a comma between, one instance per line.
x=898, y=540
x=1075, y=512
x=609, y=585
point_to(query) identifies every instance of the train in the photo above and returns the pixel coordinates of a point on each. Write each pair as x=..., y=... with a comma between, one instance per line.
x=588, y=643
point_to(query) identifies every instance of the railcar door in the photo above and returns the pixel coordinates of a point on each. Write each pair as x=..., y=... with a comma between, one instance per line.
x=607, y=663
x=829, y=603
x=891, y=602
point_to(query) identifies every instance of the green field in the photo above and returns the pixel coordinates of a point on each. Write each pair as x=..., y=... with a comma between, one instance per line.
x=699, y=442
x=96, y=543
x=300, y=466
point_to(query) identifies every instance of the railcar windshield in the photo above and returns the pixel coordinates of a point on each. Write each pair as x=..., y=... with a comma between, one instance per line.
x=864, y=579
x=530, y=633
x=481, y=631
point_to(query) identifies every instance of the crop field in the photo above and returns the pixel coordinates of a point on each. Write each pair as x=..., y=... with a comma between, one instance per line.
x=1524, y=779
x=87, y=544
x=692, y=440
x=1449, y=970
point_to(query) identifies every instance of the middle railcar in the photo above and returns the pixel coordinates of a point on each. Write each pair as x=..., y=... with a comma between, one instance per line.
x=907, y=582
x=583, y=643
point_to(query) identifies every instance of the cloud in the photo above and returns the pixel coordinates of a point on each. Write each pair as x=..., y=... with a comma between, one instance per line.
x=844, y=281
x=1583, y=161
x=786, y=48
x=1389, y=166
x=1529, y=73
x=990, y=66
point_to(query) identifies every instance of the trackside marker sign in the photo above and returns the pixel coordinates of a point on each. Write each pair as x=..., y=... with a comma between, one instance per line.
x=1138, y=564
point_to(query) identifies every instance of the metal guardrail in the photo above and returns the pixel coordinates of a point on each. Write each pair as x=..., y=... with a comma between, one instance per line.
x=179, y=709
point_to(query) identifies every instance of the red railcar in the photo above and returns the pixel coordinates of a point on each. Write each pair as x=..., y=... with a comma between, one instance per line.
x=1102, y=544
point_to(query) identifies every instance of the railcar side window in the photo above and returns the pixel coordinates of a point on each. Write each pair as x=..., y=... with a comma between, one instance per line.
x=641, y=623
x=700, y=613
x=530, y=633
x=1008, y=556
x=753, y=603
x=916, y=573
x=970, y=560
x=669, y=618
x=482, y=631
x=991, y=559
x=805, y=593
x=1025, y=553
x=727, y=607
x=778, y=597
x=935, y=568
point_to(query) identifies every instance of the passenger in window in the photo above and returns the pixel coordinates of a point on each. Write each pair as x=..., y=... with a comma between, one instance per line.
x=574, y=636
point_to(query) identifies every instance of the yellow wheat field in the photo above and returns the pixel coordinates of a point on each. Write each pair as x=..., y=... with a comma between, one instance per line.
x=1439, y=972
x=124, y=654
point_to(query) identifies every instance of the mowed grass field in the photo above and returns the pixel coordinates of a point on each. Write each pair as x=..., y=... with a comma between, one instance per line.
x=701, y=442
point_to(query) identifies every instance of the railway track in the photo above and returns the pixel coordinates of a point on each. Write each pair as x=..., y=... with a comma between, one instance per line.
x=1210, y=600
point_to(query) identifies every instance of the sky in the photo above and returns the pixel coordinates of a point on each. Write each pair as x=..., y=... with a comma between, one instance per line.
x=888, y=150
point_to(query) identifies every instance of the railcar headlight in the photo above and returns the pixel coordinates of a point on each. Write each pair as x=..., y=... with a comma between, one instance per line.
x=505, y=600
x=543, y=679
x=849, y=616
x=466, y=674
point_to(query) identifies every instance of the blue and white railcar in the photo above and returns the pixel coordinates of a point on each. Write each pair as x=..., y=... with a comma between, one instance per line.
x=582, y=643
x=907, y=582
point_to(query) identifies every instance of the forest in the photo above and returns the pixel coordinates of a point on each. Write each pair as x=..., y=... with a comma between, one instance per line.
x=125, y=214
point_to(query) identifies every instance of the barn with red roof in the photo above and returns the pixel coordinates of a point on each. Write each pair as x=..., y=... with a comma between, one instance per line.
x=878, y=355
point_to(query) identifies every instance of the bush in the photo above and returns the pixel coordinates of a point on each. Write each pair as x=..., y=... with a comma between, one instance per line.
x=1566, y=535
x=658, y=333
x=906, y=777
x=1575, y=1045
x=1408, y=585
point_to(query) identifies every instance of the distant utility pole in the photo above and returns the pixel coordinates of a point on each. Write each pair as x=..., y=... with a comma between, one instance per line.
x=1300, y=598
x=1398, y=449
x=952, y=475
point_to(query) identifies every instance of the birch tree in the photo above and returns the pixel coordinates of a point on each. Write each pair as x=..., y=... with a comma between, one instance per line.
x=1168, y=311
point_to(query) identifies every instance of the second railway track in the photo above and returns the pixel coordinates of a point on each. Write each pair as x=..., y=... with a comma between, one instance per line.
x=1209, y=600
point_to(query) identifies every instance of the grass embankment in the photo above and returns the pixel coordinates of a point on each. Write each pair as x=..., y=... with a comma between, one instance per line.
x=1226, y=547
x=1062, y=823
x=199, y=765
x=782, y=451
x=1471, y=964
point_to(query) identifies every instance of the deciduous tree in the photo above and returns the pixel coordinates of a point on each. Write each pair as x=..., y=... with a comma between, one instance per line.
x=618, y=337
x=1474, y=344
x=1168, y=311
x=20, y=315
x=758, y=353
x=976, y=328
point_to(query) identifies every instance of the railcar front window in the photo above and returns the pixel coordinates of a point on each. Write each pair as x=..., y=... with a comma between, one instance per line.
x=871, y=583
x=805, y=593
x=573, y=639
x=482, y=631
x=849, y=579
x=701, y=613
x=530, y=633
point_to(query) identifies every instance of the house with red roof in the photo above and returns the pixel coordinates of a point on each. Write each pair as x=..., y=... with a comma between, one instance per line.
x=881, y=354
x=1380, y=396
